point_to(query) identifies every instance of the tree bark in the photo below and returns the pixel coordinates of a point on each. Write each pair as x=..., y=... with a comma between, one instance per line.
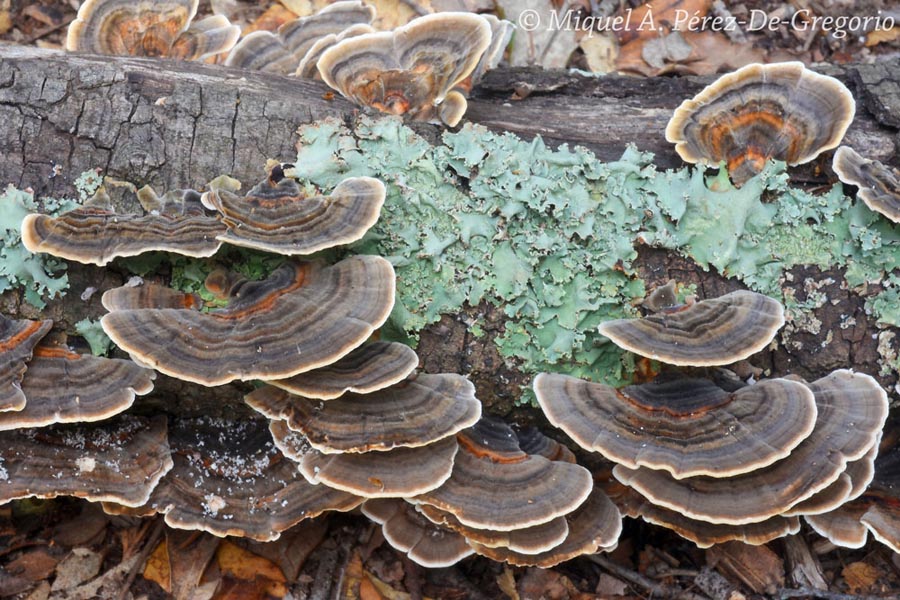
x=178, y=124
x=174, y=125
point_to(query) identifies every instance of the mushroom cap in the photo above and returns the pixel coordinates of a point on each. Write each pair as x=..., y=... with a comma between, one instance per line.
x=400, y=472
x=282, y=52
x=849, y=486
x=842, y=526
x=229, y=479
x=453, y=108
x=301, y=318
x=157, y=28
x=782, y=111
x=410, y=70
x=593, y=527
x=425, y=543
x=852, y=411
x=94, y=235
x=66, y=387
x=367, y=369
x=530, y=540
x=496, y=486
x=712, y=332
x=205, y=38
x=685, y=426
x=292, y=444
x=278, y=217
x=879, y=186
x=705, y=534
x=532, y=441
x=18, y=337
x=309, y=66
x=501, y=34
x=149, y=295
x=410, y=414
x=119, y=460
x=883, y=521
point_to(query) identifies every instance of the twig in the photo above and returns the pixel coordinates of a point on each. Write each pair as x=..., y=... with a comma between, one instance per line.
x=149, y=546
x=808, y=592
x=659, y=590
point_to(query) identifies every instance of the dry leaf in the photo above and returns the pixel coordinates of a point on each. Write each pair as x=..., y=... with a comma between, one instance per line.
x=237, y=563
x=600, y=52
x=292, y=548
x=34, y=566
x=658, y=17
x=537, y=41
x=669, y=49
x=881, y=36
x=157, y=568
x=301, y=8
x=611, y=586
x=5, y=21
x=861, y=577
x=390, y=14
x=351, y=578
x=79, y=566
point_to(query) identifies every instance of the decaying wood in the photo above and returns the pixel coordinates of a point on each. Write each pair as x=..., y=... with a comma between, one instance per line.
x=174, y=124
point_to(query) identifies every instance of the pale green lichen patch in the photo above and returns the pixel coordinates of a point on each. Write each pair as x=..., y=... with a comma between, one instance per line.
x=550, y=235
x=96, y=338
x=39, y=275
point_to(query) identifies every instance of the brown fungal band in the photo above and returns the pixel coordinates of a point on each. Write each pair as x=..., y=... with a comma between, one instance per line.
x=276, y=216
x=229, y=479
x=119, y=460
x=842, y=526
x=849, y=486
x=530, y=540
x=283, y=51
x=705, y=534
x=780, y=111
x=397, y=473
x=149, y=295
x=94, y=235
x=301, y=318
x=367, y=369
x=685, y=426
x=66, y=387
x=410, y=414
x=161, y=28
x=496, y=486
x=852, y=409
x=309, y=66
x=18, y=338
x=712, y=332
x=425, y=543
x=411, y=70
x=594, y=527
x=879, y=186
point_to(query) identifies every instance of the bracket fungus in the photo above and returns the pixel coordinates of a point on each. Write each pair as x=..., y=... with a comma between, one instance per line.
x=424, y=542
x=528, y=540
x=18, y=339
x=65, y=387
x=149, y=28
x=119, y=460
x=879, y=186
x=595, y=526
x=276, y=216
x=367, y=369
x=411, y=70
x=309, y=66
x=496, y=486
x=229, y=479
x=852, y=410
x=716, y=331
x=302, y=317
x=685, y=426
x=176, y=223
x=396, y=473
x=410, y=414
x=780, y=111
x=283, y=51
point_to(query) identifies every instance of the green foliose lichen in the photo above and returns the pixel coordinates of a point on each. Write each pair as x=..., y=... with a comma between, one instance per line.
x=96, y=338
x=549, y=236
x=39, y=275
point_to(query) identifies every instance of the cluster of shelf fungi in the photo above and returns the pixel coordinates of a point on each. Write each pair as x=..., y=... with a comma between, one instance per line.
x=347, y=422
